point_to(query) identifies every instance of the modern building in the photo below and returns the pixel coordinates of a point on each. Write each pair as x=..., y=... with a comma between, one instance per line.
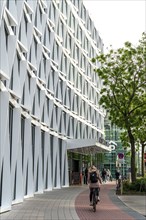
x=49, y=94
x=111, y=159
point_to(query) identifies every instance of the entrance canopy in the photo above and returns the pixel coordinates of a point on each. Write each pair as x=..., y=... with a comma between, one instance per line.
x=86, y=146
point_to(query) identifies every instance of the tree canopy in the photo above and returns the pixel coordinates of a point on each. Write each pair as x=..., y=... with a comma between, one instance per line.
x=123, y=73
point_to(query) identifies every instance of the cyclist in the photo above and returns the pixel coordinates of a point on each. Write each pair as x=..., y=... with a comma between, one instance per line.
x=117, y=175
x=94, y=181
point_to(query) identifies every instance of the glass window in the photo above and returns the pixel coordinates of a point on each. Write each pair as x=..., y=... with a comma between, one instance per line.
x=70, y=40
x=33, y=145
x=73, y=22
x=29, y=78
x=51, y=153
x=42, y=148
x=11, y=80
x=10, y=129
x=39, y=91
x=25, y=21
x=6, y=36
x=22, y=137
x=33, y=107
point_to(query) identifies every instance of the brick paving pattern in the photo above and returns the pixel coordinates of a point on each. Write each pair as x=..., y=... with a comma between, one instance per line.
x=72, y=203
x=109, y=208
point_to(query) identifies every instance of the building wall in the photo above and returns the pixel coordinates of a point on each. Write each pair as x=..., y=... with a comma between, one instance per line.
x=112, y=135
x=49, y=93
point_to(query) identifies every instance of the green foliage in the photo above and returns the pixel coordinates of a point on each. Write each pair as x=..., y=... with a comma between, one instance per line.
x=124, y=83
x=138, y=186
x=140, y=139
x=123, y=73
x=124, y=139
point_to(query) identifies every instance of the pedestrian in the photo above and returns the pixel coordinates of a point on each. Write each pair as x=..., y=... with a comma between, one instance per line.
x=103, y=174
x=108, y=175
x=94, y=181
x=86, y=175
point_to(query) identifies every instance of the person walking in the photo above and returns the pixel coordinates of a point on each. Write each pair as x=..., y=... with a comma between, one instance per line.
x=109, y=178
x=85, y=175
x=104, y=175
x=94, y=181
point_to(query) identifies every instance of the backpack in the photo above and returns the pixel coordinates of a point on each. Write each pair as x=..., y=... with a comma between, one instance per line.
x=93, y=177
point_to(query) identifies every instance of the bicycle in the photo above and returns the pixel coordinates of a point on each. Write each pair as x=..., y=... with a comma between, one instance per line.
x=94, y=198
x=118, y=185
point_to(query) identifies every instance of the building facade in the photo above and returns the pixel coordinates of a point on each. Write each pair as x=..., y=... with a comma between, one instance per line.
x=111, y=160
x=49, y=94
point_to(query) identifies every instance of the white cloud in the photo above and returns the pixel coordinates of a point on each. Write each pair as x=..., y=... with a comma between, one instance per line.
x=119, y=20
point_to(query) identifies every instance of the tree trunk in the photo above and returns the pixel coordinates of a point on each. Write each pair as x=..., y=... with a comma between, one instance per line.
x=132, y=143
x=142, y=158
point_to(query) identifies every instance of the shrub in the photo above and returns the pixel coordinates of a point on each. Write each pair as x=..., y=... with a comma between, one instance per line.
x=138, y=186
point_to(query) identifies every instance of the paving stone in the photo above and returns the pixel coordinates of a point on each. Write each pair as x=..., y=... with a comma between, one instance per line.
x=72, y=203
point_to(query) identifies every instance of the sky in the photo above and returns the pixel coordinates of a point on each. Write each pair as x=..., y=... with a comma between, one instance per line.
x=118, y=21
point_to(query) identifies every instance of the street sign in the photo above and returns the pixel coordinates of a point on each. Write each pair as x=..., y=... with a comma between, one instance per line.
x=120, y=156
x=112, y=146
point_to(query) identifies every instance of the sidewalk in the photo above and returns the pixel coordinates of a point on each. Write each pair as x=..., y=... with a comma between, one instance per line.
x=73, y=203
x=111, y=206
x=137, y=203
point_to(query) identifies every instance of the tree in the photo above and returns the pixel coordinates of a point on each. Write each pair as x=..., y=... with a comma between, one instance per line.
x=140, y=135
x=140, y=140
x=123, y=73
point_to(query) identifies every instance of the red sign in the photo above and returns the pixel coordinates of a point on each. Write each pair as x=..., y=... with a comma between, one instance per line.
x=120, y=155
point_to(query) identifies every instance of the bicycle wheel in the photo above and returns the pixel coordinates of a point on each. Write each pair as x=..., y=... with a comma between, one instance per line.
x=94, y=207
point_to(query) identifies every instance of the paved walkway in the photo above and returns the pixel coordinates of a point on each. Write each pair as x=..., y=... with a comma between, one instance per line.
x=73, y=203
x=137, y=203
x=110, y=207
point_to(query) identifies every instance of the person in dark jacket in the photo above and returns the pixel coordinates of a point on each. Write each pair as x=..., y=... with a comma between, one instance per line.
x=117, y=175
x=85, y=175
x=104, y=173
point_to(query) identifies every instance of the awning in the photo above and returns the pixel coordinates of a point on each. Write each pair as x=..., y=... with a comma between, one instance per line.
x=86, y=146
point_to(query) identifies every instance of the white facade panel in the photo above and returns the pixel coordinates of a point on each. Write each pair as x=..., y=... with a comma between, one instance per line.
x=48, y=94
